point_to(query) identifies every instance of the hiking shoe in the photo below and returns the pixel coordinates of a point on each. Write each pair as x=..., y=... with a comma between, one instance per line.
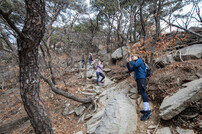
x=143, y=112
x=146, y=115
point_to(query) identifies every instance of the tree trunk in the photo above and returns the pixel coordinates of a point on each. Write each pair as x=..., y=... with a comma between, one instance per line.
x=33, y=32
x=119, y=22
x=86, y=63
x=135, y=24
x=108, y=35
x=157, y=19
x=142, y=22
x=129, y=37
x=157, y=8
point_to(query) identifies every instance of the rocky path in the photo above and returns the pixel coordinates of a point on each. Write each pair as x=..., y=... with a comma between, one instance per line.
x=118, y=111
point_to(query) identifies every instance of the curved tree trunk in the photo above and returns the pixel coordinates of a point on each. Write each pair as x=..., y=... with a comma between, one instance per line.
x=33, y=32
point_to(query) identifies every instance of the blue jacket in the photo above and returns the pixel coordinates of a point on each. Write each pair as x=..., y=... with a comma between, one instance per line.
x=138, y=67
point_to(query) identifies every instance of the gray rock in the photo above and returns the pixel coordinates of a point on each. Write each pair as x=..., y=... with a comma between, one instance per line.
x=189, y=78
x=172, y=106
x=198, y=75
x=109, y=93
x=106, y=57
x=117, y=54
x=200, y=124
x=108, y=82
x=106, y=70
x=133, y=96
x=80, y=132
x=66, y=110
x=88, y=94
x=103, y=52
x=164, y=60
x=79, y=77
x=120, y=117
x=91, y=73
x=152, y=126
x=133, y=90
x=187, y=53
x=164, y=130
x=79, y=110
x=190, y=52
x=71, y=112
x=184, y=131
x=133, y=93
x=94, y=121
x=94, y=80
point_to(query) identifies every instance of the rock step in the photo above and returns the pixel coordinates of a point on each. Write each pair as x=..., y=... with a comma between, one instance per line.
x=172, y=106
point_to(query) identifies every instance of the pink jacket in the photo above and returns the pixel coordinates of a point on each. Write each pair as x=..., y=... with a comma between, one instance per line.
x=99, y=68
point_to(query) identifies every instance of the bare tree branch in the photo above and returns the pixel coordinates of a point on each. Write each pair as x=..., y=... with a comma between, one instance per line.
x=65, y=94
x=10, y=23
x=194, y=33
x=5, y=38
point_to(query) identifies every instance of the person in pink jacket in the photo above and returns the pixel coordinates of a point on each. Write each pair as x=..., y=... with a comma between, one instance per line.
x=99, y=71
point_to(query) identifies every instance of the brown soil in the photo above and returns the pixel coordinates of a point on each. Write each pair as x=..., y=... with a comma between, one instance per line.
x=12, y=108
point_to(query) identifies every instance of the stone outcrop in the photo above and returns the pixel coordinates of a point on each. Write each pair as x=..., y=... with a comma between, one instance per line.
x=190, y=52
x=187, y=53
x=119, y=117
x=117, y=54
x=172, y=106
x=117, y=113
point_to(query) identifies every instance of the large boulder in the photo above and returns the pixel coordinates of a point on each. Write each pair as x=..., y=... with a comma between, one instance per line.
x=120, y=117
x=114, y=108
x=190, y=52
x=187, y=53
x=172, y=106
x=117, y=54
x=162, y=61
x=106, y=57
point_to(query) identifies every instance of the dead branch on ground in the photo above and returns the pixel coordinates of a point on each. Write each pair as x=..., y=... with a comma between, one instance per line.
x=65, y=94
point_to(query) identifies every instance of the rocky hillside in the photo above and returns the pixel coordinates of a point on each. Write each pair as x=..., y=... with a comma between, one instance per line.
x=174, y=90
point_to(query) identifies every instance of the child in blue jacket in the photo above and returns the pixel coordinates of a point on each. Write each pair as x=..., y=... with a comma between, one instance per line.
x=137, y=65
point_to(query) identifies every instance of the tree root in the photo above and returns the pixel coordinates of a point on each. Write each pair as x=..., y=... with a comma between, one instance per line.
x=65, y=94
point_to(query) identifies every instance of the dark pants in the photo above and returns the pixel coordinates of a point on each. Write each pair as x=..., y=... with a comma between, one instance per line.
x=141, y=86
x=82, y=64
x=98, y=75
x=90, y=61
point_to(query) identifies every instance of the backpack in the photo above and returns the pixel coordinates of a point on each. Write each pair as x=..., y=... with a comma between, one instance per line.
x=147, y=70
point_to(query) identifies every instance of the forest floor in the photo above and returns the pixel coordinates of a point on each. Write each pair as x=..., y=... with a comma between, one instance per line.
x=163, y=82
